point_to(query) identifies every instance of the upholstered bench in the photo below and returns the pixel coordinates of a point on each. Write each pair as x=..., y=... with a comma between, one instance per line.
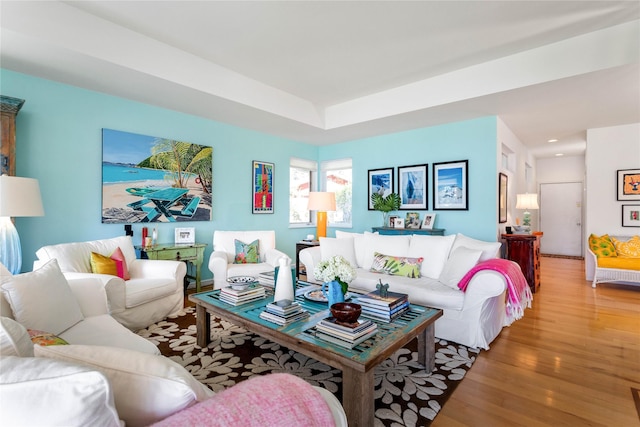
x=616, y=258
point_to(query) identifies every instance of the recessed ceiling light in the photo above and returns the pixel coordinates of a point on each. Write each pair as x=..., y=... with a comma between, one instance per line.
x=559, y=154
x=552, y=140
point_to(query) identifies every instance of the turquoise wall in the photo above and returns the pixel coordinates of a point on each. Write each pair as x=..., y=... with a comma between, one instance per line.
x=59, y=143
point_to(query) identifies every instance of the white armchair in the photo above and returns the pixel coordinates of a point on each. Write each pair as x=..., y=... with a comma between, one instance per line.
x=154, y=291
x=224, y=251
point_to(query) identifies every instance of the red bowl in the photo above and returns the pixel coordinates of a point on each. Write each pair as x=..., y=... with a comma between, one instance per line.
x=346, y=312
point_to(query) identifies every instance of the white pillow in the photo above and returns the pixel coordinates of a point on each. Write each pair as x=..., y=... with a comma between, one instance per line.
x=459, y=263
x=147, y=388
x=435, y=251
x=14, y=339
x=384, y=244
x=42, y=299
x=489, y=249
x=45, y=392
x=358, y=244
x=330, y=247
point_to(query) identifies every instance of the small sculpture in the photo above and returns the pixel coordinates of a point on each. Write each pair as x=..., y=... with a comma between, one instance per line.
x=383, y=288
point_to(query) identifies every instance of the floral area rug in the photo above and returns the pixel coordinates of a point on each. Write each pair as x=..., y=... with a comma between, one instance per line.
x=405, y=394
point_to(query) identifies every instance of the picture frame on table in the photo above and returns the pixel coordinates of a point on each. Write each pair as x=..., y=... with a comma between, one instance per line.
x=628, y=184
x=381, y=182
x=451, y=185
x=412, y=186
x=412, y=220
x=631, y=215
x=503, y=181
x=398, y=222
x=392, y=221
x=428, y=221
x=185, y=235
x=262, y=192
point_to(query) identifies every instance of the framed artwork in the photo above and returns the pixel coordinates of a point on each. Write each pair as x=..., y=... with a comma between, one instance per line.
x=185, y=236
x=629, y=184
x=631, y=215
x=412, y=186
x=412, y=220
x=398, y=222
x=381, y=182
x=451, y=185
x=262, y=200
x=428, y=221
x=392, y=221
x=502, y=197
x=142, y=180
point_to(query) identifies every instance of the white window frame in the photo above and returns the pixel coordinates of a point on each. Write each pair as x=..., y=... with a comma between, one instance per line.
x=312, y=167
x=325, y=168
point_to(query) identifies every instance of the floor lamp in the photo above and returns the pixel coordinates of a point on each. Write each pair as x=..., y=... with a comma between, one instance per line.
x=321, y=202
x=18, y=197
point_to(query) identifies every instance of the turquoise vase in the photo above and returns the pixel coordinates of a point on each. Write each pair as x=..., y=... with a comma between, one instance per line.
x=333, y=292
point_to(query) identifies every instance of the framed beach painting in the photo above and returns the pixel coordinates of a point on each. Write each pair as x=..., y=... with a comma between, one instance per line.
x=629, y=184
x=381, y=182
x=412, y=186
x=451, y=185
x=262, y=200
x=152, y=179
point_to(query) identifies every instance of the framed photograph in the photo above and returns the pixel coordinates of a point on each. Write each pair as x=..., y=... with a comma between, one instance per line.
x=262, y=200
x=412, y=220
x=428, y=221
x=629, y=184
x=631, y=215
x=381, y=182
x=412, y=186
x=502, y=197
x=398, y=222
x=185, y=236
x=451, y=185
x=392, y=221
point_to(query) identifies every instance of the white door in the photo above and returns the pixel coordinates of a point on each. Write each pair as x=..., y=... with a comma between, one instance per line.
x=561, y=218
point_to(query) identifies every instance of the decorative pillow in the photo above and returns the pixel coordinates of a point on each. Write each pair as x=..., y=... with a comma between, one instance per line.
x=434, y=249
x=628, y=249
x=359, y=244
x=397, y=245
x=121, y=264
x=460, y=261
x=147, y=388
x=489, y=249
x=330, y=247
x=42, y=299
x=396, y=266
x=101, y=264
x=602, y=246
x=14, y=339
x=247, y=253
x=45, y=338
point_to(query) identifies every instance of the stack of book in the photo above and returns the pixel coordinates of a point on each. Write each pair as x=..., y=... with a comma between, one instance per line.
x=284, y=314
x=251, y=293
x=267, y=278
x=344, y=335
x=385, y=309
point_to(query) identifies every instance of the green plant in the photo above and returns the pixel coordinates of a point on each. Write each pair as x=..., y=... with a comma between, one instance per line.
x=386, y=204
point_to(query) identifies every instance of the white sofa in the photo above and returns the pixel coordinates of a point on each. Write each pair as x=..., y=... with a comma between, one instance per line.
x=473, y=318
x=221, y=261
x=154, y=291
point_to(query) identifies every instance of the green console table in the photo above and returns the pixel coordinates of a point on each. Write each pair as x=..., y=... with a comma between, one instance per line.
x=191, y=254
x=389, y=230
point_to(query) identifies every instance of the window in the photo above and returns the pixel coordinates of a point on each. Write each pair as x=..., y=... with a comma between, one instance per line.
x=302, y=179
x=337, y=177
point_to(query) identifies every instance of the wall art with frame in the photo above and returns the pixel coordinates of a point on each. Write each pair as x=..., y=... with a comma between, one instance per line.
x=629, y=184
x=428, y=221
x=451, y=185
x=631, y=215
x=412, y=186
x=503, y=181
x=381, y=182
x=262, y=200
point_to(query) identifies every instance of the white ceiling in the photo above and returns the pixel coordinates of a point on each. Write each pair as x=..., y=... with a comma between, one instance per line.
x=329, y=71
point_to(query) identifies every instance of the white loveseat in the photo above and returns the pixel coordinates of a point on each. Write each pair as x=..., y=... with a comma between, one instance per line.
x=473, y=318
x=154, y=291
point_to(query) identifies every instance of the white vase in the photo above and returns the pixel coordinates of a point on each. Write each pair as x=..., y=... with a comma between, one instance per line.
x=284, y=281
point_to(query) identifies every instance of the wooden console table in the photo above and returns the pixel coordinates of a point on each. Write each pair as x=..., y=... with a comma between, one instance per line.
x=525, y=250
x=403, y=231
x=191, y=254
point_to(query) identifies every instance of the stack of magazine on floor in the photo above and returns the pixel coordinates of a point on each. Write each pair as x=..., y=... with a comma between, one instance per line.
x=384, y=309
x=232, y=296
x=345, y=335
x=283, y=314
x=267, y=278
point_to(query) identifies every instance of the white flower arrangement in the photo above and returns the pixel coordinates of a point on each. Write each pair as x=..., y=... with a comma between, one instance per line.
x=336, y=268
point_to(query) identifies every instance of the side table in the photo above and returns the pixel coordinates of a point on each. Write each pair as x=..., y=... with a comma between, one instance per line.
x=301, y=270
x=404, y=231
x=524, y=249
x=192, y=254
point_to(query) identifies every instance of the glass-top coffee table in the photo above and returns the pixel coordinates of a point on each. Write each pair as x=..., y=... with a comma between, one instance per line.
x=356, y=364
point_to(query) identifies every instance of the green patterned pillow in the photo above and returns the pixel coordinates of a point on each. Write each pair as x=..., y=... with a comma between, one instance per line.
x=396, y=266
x=602, y=246
x=247, y=253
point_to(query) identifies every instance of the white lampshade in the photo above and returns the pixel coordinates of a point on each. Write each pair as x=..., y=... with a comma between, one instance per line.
x=20, y=197
x=527, y=201
x=322, y=201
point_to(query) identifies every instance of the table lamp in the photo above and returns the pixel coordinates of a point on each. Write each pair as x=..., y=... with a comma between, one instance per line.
x=321, y=202
x=18, y=197
x=526, y=201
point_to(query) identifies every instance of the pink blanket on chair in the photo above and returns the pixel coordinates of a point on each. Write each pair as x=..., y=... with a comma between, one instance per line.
x=519, y=295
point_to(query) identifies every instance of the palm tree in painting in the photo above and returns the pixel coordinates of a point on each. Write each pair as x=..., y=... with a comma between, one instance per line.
x=182, y=159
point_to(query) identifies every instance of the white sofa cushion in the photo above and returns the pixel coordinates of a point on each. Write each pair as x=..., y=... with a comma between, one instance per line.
x=45, y=392
x=388, y=245
x=14, y=339
x=489, y=249
x=358, y=243
x=344, y=247
x=42, y=299
x=146, y=388
x=460, y=261
x=76, y=256
x=435, y=251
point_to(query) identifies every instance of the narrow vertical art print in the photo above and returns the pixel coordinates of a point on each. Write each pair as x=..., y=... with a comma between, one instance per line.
x=412, y=186
x=262, y=187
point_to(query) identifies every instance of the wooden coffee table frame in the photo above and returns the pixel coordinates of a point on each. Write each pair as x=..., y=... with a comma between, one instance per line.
x=356, y=364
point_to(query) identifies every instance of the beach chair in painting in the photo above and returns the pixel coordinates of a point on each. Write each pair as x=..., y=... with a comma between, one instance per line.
x=157, y=202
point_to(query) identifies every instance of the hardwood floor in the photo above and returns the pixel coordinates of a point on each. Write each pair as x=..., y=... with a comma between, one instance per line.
x=573, y=359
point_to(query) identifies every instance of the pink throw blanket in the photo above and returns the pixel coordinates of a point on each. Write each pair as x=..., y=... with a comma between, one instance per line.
x=519, y=295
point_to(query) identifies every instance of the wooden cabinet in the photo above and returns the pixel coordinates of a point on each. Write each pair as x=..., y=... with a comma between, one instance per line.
x=525, y=250
x=401, y=231
x=192, y=254
x=301, y=270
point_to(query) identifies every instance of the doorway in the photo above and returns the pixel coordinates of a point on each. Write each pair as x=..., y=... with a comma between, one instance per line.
x=561, y=219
